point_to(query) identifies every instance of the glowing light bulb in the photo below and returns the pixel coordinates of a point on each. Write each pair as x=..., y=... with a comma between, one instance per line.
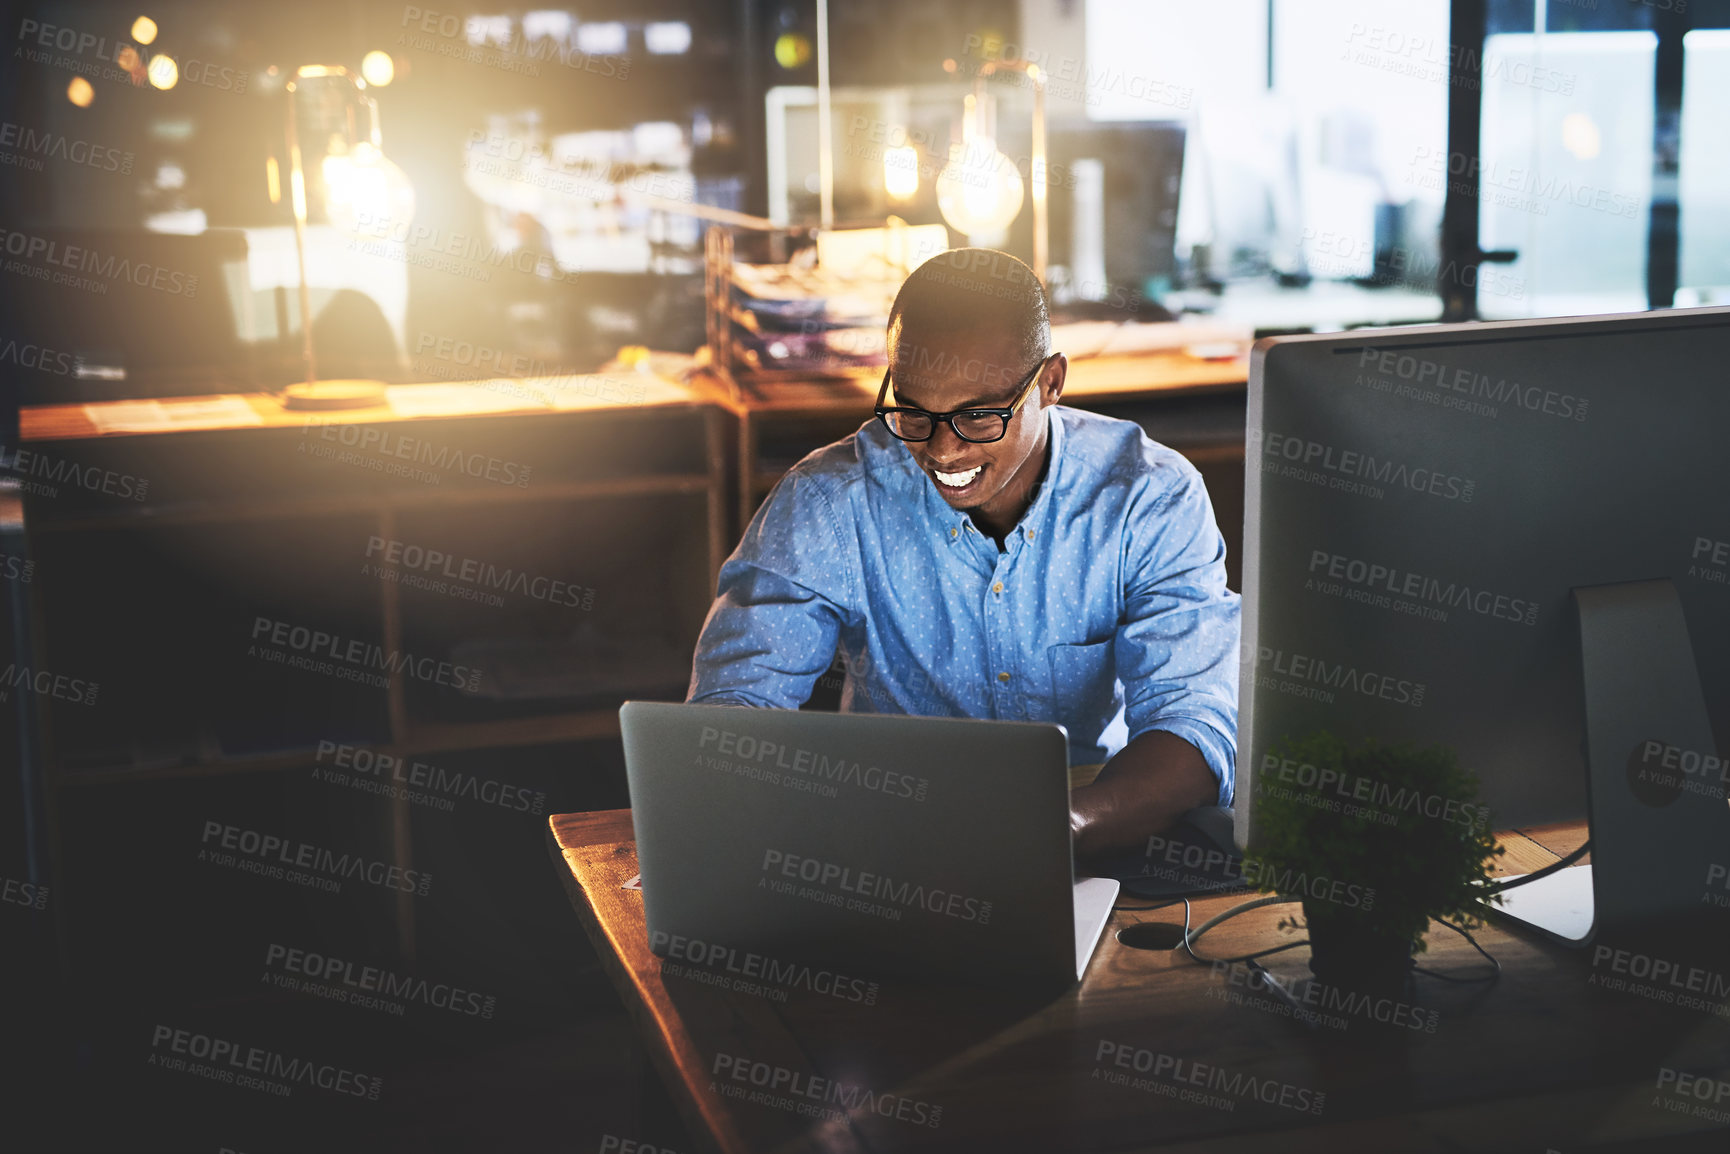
x=144, y=30
x=979, y=191
x=363, y=188
x=378, y=68
x=901, y=172
x=80, y=93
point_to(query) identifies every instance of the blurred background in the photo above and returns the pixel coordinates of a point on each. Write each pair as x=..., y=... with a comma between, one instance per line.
x=519, y=193
x=1279, y=162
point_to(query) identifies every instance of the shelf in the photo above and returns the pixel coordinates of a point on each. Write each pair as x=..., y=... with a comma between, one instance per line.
x=216, y=512
x=425, y=738
x=73, y=422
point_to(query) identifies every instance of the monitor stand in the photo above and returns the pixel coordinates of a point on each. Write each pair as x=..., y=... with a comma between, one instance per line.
x=1656, y=786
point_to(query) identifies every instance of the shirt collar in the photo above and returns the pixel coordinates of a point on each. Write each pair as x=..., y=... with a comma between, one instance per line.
x=954, y=525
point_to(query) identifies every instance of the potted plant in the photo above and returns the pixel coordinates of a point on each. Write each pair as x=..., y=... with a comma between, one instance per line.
x=1377, y=840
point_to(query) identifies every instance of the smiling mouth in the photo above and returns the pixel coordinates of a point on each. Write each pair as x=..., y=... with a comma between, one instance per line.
x=956, y=480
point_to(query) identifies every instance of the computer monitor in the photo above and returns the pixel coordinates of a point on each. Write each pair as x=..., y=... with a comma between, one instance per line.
x=117, y=314
x=1422, y=506
x=1128, y=174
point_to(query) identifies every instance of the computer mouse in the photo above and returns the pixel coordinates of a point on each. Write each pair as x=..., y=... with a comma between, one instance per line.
x=1215, y=823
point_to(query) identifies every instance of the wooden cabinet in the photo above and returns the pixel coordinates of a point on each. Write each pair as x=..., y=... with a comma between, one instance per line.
x=254, y=596
x=238, y=595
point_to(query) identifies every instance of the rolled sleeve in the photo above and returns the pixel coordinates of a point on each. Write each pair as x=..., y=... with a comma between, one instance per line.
x=1177, y=647
x=780, y=604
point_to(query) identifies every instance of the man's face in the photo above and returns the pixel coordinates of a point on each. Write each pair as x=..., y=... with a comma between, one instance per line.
x=941, y=372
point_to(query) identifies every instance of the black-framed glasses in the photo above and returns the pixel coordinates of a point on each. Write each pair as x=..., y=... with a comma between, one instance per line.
x=979, y=426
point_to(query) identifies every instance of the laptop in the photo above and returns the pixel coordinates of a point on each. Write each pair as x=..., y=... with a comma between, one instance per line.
x=923, y=847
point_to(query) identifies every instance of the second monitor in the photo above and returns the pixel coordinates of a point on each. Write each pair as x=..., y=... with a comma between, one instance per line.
x=1442, y=520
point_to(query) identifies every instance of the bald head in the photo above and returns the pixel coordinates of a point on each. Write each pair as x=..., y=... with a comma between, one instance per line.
x=977, y=296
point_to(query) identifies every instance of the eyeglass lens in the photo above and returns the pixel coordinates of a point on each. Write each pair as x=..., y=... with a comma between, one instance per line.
x=967, y=426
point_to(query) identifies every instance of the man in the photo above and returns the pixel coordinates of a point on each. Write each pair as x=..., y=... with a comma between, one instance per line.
x=980, y=551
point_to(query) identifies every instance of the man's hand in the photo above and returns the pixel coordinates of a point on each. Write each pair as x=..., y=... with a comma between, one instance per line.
x=1153, y=781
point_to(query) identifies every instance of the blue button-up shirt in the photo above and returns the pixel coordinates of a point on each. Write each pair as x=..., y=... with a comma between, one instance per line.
x=1106, y=611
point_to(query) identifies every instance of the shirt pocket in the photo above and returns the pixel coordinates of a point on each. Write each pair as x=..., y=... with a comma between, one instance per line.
x=1084, y=692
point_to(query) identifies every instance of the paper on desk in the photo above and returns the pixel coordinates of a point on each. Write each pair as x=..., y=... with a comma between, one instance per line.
x=461, y=400
x=222, y=412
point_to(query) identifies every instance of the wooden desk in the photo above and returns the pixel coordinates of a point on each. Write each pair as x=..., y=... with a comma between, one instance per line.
x=781, y=418
x=1540, y=1060
x=332, y=481
x=157, y=550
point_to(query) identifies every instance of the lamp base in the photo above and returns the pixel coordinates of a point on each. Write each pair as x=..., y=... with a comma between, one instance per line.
x=334, y=395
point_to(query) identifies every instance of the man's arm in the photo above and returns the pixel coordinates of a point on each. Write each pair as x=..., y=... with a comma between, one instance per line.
x=1143, y=790
x=1177, y=658
x=780, y=604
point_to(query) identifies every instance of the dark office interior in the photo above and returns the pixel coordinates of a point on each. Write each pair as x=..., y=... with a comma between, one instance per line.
x=384, y=390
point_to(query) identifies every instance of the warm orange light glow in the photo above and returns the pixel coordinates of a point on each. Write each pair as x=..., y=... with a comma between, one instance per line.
x=164, y=73
x=273, y=179
x=363, y=186
x=297, y=186
x=378, y=68
x=901, y=172
x=127, y=58
x=144, y=30
x=79, y=92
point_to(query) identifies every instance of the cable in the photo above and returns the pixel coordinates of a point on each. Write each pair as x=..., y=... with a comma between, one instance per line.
x=1190, y=938
x=1269, y=982
x=1498, y=887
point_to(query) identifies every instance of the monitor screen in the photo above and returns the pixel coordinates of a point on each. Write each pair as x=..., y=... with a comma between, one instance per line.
x=1114, y=198
x=112, y=314
x=1422, y=502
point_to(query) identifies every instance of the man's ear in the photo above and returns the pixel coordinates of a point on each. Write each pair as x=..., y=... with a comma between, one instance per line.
x=1056, y=372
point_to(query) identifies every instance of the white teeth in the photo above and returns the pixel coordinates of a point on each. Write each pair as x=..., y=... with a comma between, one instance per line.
x=958, y=480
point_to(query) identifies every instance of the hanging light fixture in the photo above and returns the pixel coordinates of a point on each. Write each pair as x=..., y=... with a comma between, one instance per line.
x=979, y=191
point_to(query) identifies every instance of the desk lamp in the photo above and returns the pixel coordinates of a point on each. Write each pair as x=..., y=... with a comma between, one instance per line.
x=358, y=183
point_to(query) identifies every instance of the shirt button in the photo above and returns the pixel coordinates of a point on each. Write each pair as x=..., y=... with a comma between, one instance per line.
x=997, y=588
x=955, y=532
x=1030, y=534
x=1003, y=677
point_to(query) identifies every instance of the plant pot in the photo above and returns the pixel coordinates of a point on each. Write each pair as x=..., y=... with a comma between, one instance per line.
x=1355, y=952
